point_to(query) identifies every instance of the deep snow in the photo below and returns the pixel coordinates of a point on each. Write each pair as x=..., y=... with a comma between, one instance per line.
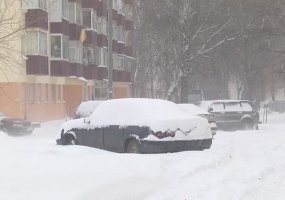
x=240, y=165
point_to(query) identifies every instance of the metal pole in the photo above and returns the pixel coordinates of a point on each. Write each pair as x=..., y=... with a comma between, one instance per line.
x=110, y=49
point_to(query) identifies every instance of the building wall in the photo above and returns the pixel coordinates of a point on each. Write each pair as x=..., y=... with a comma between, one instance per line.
x=27, y=83
x=10, y=98
x=121, y=90
x=73, y=96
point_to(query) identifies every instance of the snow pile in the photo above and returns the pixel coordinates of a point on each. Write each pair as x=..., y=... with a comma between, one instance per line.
x=86, y=108
x=242, y=165
x=158, y=115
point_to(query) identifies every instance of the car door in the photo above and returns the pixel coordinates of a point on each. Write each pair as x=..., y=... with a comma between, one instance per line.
x=114, y=138
x=93, y=137
x=218, y=110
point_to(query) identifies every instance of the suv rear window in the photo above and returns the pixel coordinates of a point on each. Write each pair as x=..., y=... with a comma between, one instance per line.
x=233, y=107
x=246, y=107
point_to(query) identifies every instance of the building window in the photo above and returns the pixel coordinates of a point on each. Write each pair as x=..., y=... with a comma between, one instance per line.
x=75, y=51
x=118, y=62
x=91, y=56
x=75, y=13
x=56, y=46
x=90, y=19
x=120, y=33
x=65, y=42
x=115, y=31
x=104, y=57
x=36, y=4
x=34, y=43
x=94, y=20
x=87, y=19
x=65, y=10
x=43, y=43
x=127, y=64
x=101, y=93
x=128, y=12
x=59, y=46
x=102, y=26
x=120, y=6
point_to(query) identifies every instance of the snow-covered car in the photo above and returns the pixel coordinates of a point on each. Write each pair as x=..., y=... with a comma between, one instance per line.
x=195, y=110
x=86, y=108
x=232, y=114
x=16, y=126
x=138, y=126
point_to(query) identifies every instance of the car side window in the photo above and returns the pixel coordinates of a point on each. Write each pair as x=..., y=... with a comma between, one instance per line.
x=217, y=107
x=233, y=107
x=246, y=107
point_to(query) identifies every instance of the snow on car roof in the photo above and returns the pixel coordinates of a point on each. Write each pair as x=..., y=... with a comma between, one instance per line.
x=193, y=109
x=86, y=108
x=206, y=104
x=158, y=115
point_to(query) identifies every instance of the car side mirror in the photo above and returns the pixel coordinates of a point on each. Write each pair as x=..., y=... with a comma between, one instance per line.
x=86, y=120
x=210, y=110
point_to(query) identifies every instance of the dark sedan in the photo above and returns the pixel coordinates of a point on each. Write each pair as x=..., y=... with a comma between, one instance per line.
x=138, y=126
x=16, y=126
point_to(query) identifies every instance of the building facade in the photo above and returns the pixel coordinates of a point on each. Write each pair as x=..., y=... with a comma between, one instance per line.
x=63, y=57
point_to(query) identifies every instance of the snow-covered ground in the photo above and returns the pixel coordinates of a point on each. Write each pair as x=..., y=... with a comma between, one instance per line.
x=240, y=165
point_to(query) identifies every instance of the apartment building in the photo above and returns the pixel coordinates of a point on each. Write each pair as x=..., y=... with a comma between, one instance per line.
x=63, y=57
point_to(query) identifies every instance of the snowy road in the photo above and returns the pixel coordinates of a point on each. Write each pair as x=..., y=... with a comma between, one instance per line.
x=240, y=165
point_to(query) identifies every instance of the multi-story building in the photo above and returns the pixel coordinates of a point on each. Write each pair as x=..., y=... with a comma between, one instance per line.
x=64, y=57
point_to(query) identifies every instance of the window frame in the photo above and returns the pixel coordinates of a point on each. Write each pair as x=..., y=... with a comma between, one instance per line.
x=34, y=5
x=62, y=38
x=39, y=42
x=65, y=10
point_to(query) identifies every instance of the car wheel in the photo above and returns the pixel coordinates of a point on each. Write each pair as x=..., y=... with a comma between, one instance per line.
x=70, y=140
x=133, y=147
x=29, y=132
x=247, y=125
x=4, y=130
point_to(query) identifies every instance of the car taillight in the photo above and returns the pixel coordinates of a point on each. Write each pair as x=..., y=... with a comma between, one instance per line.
x=165, y=134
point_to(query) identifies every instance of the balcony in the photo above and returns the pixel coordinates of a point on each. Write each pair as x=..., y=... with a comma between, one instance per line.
x=37, y=65
x=36, y=18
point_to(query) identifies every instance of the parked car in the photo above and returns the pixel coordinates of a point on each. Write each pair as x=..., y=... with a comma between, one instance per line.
x=86, y=108
x=138, y=126
x=232, y=114
x=195, y=110
x=16, y=126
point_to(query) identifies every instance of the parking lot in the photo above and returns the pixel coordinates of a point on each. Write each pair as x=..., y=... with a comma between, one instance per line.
x=239, y=165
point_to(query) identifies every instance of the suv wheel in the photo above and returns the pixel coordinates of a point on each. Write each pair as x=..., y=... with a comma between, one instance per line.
x=247, y=125
x=70, y=140
x=133, y=147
